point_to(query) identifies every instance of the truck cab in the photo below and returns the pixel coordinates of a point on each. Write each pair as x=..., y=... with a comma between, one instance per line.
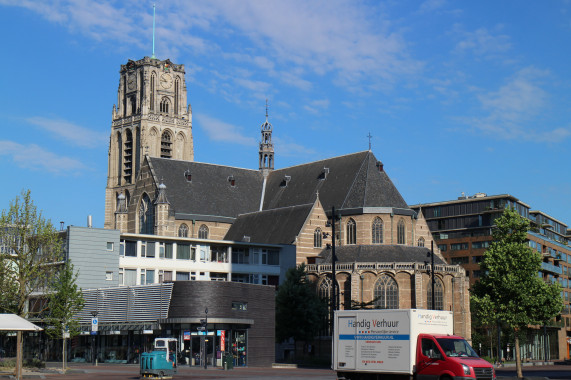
x=441, y=356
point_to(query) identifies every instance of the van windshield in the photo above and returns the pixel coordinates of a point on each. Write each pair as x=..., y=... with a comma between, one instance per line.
x=456, y=348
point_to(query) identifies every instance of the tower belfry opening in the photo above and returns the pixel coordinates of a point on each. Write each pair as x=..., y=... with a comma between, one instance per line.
x=266, y=146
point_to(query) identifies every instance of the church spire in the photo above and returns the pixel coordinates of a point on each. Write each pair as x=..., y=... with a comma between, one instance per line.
x=266, y=146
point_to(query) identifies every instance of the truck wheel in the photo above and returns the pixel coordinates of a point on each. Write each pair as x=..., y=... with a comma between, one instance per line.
x=445, y=377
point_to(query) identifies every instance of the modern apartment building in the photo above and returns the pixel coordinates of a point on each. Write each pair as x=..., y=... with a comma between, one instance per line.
x=462, y=228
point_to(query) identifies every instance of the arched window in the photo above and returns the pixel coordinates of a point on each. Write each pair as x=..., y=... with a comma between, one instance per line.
x=386, y=293
x=400, y=232
x=146, y=216
x=325, y=289
x=377, y=231
x=176, y=95
x=152, y=92
x=351, y=232
x=183, y=230
x=438, y=295
x=421, y=242
x=317, y=238
x=128, y=156
x=203, y=232
x=164, y=107
x=166, y=145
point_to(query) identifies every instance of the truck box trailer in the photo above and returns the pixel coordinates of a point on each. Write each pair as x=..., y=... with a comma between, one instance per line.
x=403, y=343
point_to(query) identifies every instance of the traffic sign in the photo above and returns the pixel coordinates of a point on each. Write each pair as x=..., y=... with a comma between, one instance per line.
x=200, y=328
x=94, y=324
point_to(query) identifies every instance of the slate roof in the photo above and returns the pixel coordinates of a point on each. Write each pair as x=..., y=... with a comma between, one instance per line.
x=379, y=253
x=352, y=181
x=209, y=193
x=277, y=226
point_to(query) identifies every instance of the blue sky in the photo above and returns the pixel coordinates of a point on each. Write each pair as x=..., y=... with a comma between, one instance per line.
x=459, y=96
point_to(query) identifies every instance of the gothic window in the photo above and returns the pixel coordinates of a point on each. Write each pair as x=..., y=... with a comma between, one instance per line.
x=166, y=145
x=421, y=242
x=325, y=289
x=128, y=156
x=164, y=107
x=133, y=101
x=377, y=231
x=119, y=158
x=152, y=92
x=176, y=95
x=438, y=295
x=146, y=216
x=203, y=232
x=317, y=238
x=351, y=232
x=386, y=293
x=183, y=230
x=400, y=232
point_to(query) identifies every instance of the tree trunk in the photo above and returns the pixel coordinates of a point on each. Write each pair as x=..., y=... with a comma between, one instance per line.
x=63, y=355
x=19, y=354
x=519, y=372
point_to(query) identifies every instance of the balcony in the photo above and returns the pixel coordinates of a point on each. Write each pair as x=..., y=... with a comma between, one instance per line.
x=546, y=267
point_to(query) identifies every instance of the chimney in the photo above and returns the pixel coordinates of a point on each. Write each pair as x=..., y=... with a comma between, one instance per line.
x=380, y=166
x=89, y=221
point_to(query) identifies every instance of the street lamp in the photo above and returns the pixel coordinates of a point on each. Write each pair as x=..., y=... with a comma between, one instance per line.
x=205, y=339
x=333, y=298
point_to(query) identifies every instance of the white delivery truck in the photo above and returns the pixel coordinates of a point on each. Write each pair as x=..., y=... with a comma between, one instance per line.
x=403, y=344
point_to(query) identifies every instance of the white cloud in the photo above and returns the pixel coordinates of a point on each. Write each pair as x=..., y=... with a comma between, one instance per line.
x=316, y=106
x=483, y=42
x=513, y=111
x=34, y=157
x=219, y=130
x=73, y=133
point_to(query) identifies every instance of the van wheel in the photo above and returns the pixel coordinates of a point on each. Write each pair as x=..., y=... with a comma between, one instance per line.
x=445, y=377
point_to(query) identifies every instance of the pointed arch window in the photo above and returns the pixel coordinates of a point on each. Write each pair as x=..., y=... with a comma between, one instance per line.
x=325, y=289
x=164, y=106
x=421, y=242
x=152, y=92
x=166, y=145
x=317, y=238
x=146, y=216
x=183, y=230
x=400, y=232
x=128, y=157
x=176, y=95
x=386, y=293
x=377, y=231
x=203, y=232
x=438, y=295
x=351, y=232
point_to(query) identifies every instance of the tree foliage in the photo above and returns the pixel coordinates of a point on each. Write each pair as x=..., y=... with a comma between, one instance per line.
x=30, y=247
x=300, y=312
x=65, y=301
x=510, y=291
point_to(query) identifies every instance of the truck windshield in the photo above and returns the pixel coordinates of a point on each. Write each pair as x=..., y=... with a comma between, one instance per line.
x=456, y=348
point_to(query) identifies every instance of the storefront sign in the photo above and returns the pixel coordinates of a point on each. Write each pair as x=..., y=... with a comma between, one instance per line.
x=186, y=335
x=222, y=340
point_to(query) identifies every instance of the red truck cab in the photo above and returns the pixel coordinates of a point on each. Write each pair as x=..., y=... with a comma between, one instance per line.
x=449, y=356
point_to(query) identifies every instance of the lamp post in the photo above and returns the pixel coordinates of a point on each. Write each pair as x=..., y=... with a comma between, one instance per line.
x=333, y=294
x=431, y=273
x=206, y=339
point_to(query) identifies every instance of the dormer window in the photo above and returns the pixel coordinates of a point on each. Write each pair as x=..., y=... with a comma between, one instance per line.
x=232, y=181
x=324, y=173
x=380, y=166
x=188, y=176
x=285, y=181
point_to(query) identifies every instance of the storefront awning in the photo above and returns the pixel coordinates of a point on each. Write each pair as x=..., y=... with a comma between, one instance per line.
x=12, y=322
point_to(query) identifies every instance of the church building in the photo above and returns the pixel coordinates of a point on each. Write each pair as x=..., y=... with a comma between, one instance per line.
x=155, y=187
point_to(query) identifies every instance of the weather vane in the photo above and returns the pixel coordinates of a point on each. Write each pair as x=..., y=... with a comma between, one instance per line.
x=370, y=137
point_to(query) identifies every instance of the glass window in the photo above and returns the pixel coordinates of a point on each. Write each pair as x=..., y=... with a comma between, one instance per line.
x=386, y=293
x=438, y=295
x=239, y=256
x=203, y=232
x=168, y=249
x=151, y=249
x=325, y=288
x=401, y=232
x=421, y=242
x=218, y=254
x=146, y=215
x=183, y=251
x=130, y=248
x=183, y=230
x=442, y=247
x=182, y=276
x=351, y=232
x=108, y=276
x=130, y=277
x=377, y=231
x=109, y=245
x=242, y=306
x=317, y=238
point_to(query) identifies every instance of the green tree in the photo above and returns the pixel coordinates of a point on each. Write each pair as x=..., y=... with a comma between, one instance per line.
x=300, y=312
x=30, y=247
x=510, y=291
x=65, y=301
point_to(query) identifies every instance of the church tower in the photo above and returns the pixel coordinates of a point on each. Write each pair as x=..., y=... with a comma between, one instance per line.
x=152, y=117
x=266, y=146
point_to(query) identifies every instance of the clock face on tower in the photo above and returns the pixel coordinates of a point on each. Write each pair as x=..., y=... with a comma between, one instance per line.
x=131, y=82
x=166, y=81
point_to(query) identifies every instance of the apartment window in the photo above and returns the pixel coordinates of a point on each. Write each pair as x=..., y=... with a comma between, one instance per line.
x=458, y=246
x=480, y=244
x=218, y=276
x=218, y=254
x=459, y=260
x=130, y=248
x=437, y=211
x=477, y=259
x=168, y=249
x=351, y=232
x=143, y=249
x=183, y=251
x=401, y=232
x=477, y=274
x=182, y=276
x=317, y=238
x=377, y=231
x=240, y=256
x=151, y=249
x=204, y=256
x=108, y=276
x=386, y=293
x=122, y=249
x=240, y=306
x=130, y=277
x=442, y=247
x=110, y=246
